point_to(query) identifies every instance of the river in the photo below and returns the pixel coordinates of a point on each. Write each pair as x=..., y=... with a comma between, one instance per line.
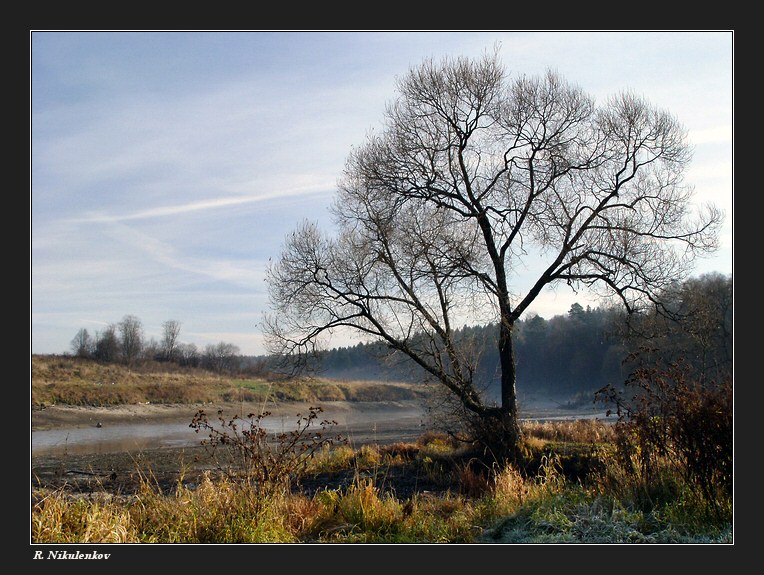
x=386, y=422
x=382, y=422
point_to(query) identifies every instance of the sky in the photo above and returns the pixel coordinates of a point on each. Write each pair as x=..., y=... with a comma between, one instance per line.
x=167, y=167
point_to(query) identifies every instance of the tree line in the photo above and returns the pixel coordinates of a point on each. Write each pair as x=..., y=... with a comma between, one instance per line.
x=575, y=354
x=125, y=342
x=569, y=355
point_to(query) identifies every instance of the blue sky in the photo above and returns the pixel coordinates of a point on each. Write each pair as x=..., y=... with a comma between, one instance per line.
x=168, y=167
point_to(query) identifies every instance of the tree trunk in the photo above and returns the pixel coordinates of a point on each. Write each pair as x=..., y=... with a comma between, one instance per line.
x=508, y=376
x=498, y=427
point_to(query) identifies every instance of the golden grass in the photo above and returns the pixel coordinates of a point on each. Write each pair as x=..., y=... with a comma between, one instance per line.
x=589, y=431
x=507, y=505
x=77, y=381
x=59, y=518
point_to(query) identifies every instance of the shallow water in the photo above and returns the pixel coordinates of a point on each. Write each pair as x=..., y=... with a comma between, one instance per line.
x=111, y=438
x=136, y=436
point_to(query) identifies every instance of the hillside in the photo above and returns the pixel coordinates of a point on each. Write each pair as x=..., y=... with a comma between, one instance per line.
x=84, y=382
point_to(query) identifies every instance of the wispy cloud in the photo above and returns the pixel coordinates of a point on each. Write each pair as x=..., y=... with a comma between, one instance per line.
x=199, y=206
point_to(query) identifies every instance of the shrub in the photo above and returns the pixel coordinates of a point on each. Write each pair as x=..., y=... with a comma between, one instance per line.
x=265, y=464
x=671, y=420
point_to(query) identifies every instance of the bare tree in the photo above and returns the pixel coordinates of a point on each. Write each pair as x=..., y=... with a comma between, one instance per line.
x=170, y=333
x=107, y=344
x=151, y=349
x=221, y=357
x=473, y=176
x=188, y=355
x=82, y=345
x=131, y=338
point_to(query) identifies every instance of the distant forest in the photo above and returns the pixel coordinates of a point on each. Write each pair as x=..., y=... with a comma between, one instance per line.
x=568, y=356
x=563, y=355
x=572, y=355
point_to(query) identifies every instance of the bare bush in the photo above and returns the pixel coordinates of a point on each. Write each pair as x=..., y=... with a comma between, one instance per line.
x=668, y=418
x=262, y=462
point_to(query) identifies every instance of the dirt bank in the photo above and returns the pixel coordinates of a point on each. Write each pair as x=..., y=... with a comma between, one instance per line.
x=92, y=462
x=117, y=467
x=63, y=416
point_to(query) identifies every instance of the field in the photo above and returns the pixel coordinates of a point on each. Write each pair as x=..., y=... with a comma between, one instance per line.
x=419, y=486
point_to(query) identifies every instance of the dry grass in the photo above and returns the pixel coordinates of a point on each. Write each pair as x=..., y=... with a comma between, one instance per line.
x=77, y=381
x=59, y=518
x=582, y=431
x=506, y=504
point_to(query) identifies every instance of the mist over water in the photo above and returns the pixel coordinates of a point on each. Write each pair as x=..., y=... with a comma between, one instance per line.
x=126, y=437
x=132, y=436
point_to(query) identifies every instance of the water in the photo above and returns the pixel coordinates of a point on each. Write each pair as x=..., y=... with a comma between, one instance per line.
x=136, y=436
x=129, y=437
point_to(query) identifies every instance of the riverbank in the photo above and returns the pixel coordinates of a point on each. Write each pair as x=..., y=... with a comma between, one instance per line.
x=69, y=416
x=87, y=450
x=82, y=448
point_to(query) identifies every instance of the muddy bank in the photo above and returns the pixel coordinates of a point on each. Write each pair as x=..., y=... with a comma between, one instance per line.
x=61, y=416
x=61, y=429
x=67, y=416
x=81, y=448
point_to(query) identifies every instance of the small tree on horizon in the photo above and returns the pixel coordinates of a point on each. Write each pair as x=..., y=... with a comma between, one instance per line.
x=82, y=345
x=131, y=338
x=221, y=357
x=473, y=177
x=169, y=344
x=107, y=344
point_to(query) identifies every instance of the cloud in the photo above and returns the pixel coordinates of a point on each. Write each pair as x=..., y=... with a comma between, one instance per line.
x=202, y=205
